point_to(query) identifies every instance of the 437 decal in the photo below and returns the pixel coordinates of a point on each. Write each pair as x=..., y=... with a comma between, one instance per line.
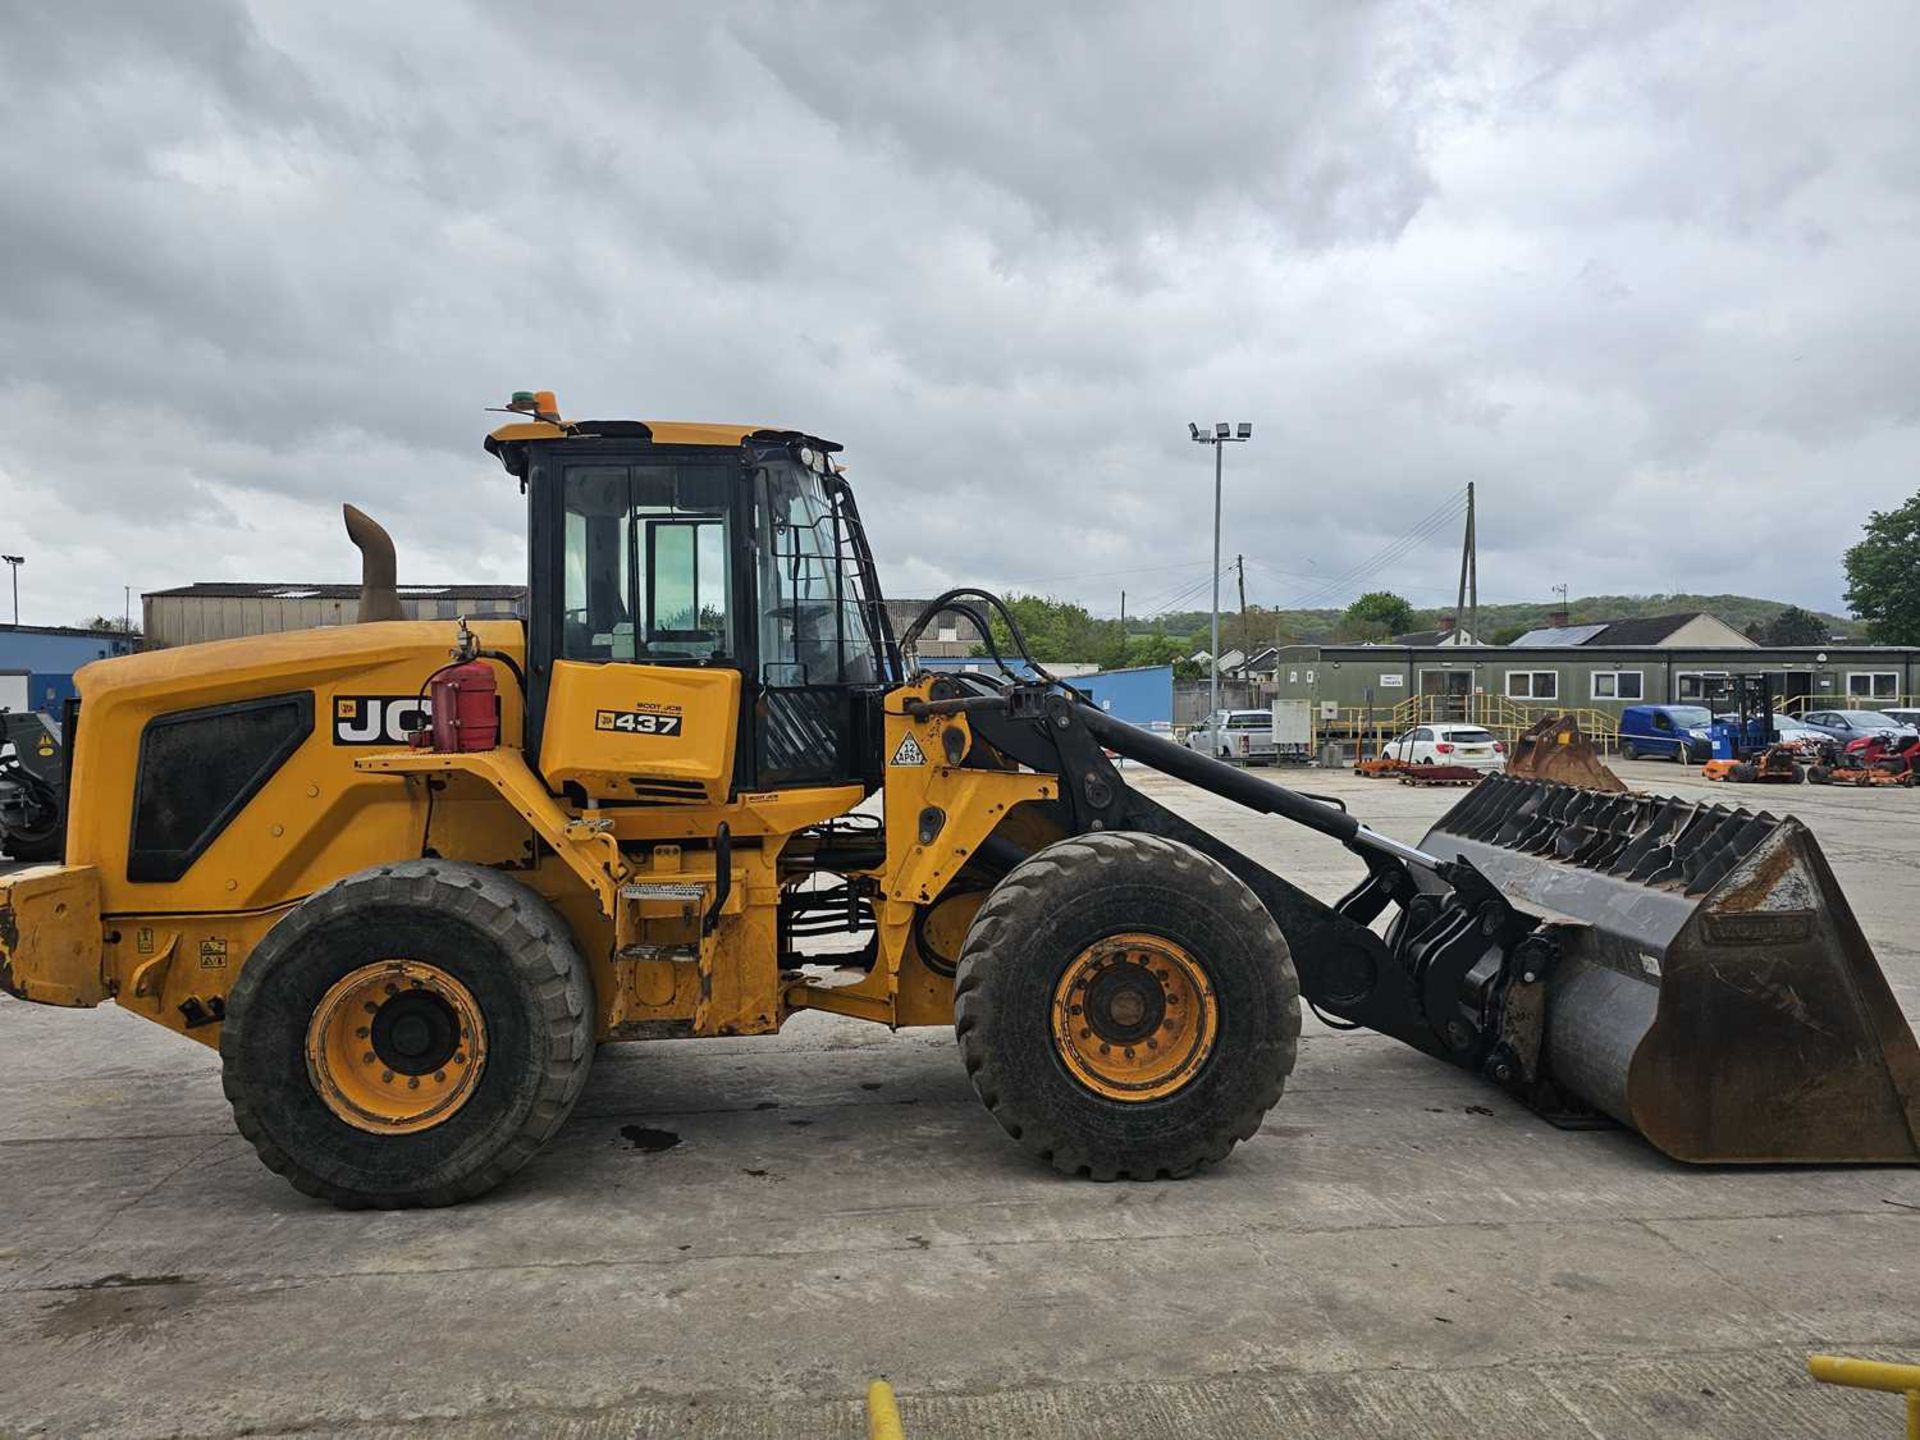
x=637, y=722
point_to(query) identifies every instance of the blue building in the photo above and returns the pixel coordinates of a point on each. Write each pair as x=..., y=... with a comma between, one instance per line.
x=37, y=661
x=1141, y=696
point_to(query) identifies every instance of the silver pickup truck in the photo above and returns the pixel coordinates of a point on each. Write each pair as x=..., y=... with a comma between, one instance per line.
x=1241, y=737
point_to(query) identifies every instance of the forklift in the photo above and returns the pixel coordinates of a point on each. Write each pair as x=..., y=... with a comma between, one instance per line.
x=1744, y=748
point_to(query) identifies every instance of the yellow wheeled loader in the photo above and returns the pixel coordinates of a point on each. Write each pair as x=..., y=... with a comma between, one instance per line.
x=406, y=875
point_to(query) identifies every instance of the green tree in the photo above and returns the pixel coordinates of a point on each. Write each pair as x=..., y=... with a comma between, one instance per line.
x=1794, y=626
x=1377, y=615
x=1883, y=575
x=1059, y=630
x=1507, y=634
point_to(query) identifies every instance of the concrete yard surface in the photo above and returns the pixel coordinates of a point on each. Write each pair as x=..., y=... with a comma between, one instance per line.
x=730, y=1238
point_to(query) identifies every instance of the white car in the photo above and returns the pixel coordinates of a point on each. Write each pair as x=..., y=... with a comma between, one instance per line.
x=1240, y=737
x=1466, y=745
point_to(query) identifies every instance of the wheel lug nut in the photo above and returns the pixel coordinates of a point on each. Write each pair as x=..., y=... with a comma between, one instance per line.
x=392, y=989
x=386, y=1077
x=1129, y=1052
x=413, y=1083
x=440, y=1076
x=370, y=1007
x=367, y=1059
x=361, y=1033
x=1106, y=1049
x=460, y=1057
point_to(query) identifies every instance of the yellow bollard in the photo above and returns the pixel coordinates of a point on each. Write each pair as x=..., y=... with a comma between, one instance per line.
x=1872, y=1375
x=883, y=1414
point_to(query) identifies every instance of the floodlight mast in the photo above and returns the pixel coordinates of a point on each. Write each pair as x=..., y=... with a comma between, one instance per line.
x=14, y=562
x=1223, y=434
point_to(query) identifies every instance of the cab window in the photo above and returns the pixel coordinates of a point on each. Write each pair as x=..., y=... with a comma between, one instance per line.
x=646, y=567
x=815, y=625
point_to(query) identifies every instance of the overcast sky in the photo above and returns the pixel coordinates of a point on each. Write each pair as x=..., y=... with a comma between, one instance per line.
x=1644, y=272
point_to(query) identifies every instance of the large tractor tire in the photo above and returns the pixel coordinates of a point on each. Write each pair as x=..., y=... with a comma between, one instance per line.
x=35, y=847
x=1126, y=1007
x=410, y=1035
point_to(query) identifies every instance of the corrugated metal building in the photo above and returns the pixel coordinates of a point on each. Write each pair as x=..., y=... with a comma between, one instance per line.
x=948, y=636
x=222, y=611
x=37, y=661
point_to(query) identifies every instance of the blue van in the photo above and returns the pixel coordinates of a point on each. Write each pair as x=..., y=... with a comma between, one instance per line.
x=1665, y=732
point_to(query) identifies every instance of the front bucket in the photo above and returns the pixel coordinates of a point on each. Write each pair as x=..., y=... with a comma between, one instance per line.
x=1556, y=749
x=1713, y=989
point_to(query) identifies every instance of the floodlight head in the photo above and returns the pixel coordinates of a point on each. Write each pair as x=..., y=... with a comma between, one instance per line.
x=14, y=559
x=1221, y=429
x=1193, y=430
x=1246, y=429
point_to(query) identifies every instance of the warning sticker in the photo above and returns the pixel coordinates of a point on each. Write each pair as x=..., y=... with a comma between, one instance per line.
x=213, y=953
x=909, y=753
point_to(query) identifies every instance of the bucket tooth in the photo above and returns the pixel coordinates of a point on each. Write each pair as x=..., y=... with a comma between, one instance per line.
x=1713, y=990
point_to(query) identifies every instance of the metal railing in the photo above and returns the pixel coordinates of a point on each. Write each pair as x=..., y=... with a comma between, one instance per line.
x=1508, y=719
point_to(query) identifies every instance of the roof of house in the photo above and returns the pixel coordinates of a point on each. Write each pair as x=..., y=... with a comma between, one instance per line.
x=1557, y=635
x=1647, y=630
x=294, y=590
x=1428, y=639
x=1642, y=630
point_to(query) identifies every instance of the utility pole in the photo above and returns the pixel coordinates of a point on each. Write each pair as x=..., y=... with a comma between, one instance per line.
x=1473, y=567
x=126, y=609
x=1123, y=612
x=1240, y=564
x=1223, y=435
x=1466, y=607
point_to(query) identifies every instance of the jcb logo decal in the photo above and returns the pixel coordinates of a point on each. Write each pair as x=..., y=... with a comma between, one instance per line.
x=637, y=722
x=379, y=719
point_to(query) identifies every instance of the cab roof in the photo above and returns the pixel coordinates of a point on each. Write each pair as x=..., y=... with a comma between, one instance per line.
x=658, y=432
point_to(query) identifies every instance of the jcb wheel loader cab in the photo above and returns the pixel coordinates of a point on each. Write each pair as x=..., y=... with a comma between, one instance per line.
x=1126, y=1007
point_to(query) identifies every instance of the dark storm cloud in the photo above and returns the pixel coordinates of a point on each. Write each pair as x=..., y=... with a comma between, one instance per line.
x=1595, y=258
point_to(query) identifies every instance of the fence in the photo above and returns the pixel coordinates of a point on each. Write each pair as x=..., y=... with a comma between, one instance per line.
x=1358, y=729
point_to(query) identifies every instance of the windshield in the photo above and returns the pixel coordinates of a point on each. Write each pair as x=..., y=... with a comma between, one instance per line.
x=1694, y=717
x=814, y=620
x=1249, y=720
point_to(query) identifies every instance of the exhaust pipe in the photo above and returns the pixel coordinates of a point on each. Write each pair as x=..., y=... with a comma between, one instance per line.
x=379, y=599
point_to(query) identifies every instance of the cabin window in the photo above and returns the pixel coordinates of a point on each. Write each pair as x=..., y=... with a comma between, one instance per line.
x=1533, y=684
x=1619, y=685
x=1873, y=685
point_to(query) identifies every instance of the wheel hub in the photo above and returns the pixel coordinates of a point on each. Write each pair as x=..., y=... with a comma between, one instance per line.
x=1134, y=1017
x=396, y=1046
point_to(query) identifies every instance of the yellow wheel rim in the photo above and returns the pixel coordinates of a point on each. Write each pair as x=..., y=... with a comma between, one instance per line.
x=396, y=1046
x=1134, y=1017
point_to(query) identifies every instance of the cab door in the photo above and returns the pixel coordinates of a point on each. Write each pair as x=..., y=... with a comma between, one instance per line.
x=822, y=657
x=634, y=645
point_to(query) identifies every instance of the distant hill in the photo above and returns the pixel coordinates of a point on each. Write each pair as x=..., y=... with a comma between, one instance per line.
x=1317, y=626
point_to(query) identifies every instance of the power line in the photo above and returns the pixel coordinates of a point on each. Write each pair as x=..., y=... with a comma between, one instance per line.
x=1423, y=529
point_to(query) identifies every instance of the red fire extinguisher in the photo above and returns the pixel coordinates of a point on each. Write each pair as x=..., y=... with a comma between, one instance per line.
x=466, y=707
